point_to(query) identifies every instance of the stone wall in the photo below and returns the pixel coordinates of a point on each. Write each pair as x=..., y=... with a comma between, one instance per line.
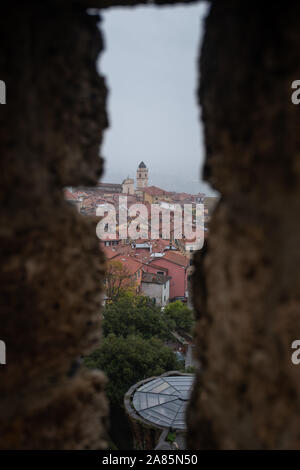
x=247, y=279
x=50, y=132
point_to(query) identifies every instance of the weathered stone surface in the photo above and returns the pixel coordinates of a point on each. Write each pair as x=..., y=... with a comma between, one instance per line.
x=50, y=132
x=74, y=418
x=247, y=279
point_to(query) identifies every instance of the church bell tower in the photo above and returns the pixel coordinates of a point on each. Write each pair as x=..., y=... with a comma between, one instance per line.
x=142, y=176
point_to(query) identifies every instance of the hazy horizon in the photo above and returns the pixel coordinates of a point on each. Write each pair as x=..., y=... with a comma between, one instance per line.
x=150, y=70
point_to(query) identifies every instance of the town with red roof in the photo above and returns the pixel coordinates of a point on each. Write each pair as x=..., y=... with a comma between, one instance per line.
x=144, y=257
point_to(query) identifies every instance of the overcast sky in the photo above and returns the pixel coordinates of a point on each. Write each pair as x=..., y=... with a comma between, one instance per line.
x=150, y=69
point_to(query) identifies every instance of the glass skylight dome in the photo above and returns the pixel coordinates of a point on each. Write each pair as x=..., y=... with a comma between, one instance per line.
x=163, y=401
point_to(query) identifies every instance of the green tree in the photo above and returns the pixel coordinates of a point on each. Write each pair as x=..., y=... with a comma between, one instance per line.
x=116, y=277
x=134, y=314
x=128, y=360
x=181, y=316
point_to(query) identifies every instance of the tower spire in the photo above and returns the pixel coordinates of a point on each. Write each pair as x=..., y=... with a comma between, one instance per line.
x=142, y=176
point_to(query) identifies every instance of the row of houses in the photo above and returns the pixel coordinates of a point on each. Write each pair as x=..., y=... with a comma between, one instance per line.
x=160, y=272
x=160, y=268
x=153, y=194
x=87, y=199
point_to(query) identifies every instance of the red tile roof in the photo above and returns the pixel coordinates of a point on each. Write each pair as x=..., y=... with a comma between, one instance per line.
x=160, y=245
x=141, y=255
x=109, y=252
x=177, y=258
x=129, y=263
x=154, y=191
